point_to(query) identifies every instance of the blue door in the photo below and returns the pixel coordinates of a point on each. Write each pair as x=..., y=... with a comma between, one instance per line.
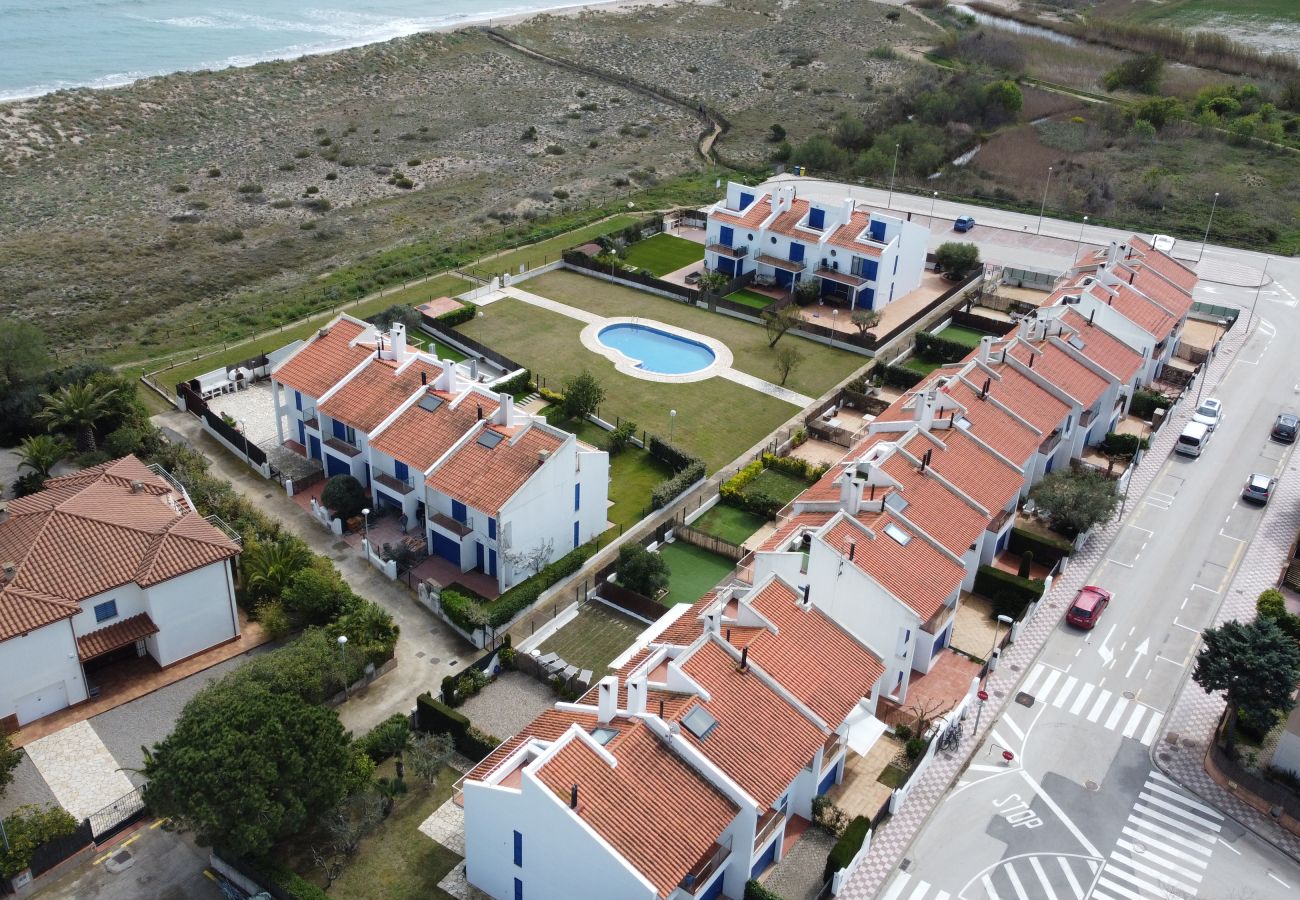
x=340, y=431
x=726, y=266
x=575, y=535
x=335, y=466
x=1002, y=542
x=446, y=548
x=941, y=641
x=400, y=471
x=829, y=781
x=1051, y=462
x=726, y=236
x=492, y=562
x=783, y=278
x=302, y=433
x=715, y=889
x=478, y=556
x=315, y=447
x=768, y=857
x=796, y=252
x=866, y=298
x=878, y=231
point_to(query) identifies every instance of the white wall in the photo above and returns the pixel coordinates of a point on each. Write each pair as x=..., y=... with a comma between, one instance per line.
x=193, y=612
x=130, y=602
x=37, y=660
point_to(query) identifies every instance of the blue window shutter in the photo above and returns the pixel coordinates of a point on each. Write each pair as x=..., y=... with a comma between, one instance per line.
x=745, y=200
x=575, y=535
x=577, y=497
x=400, y=471
x=105, y=610
x=458, y=511
x=297, y=399
x=519, y=850
x=796, y=252
x=492, y=527
x=492, y=563
x=302, y=433
x=339, y=431
x=869, y=269
x=877, y=230
x=816, y=218
x=519, y=889
x=726, y=235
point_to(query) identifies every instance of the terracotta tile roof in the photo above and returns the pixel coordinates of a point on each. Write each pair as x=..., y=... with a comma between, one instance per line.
x=785, y=223
x=548, y=726
x=991, y=424
x=486, y=477
x=752, y=217
x=1148, y=315
x=934, y=508
x=1103, y=348
x=1032, y=402
x=1062, y=370
x=846, y=235
x=761, y=741
x=811, y=656
x=1170, y=296
x=979, y=474
x=91, y=532
x=420, y=437
x=917, y=574
x=1165, y=264
x=323, y=361
x=807, y=520
x=376, y=391
x=119, y=634
x=656, y=811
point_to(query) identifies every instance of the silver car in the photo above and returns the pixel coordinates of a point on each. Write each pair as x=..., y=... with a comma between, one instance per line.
x=1258, y=488
x=1208, y=413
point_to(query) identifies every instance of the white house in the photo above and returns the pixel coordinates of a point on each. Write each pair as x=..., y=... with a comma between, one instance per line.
x=866, y=258
x=677, y=776
x=106, y=564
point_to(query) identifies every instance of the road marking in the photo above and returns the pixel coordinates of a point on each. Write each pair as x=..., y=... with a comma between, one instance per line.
x=1201, y=587
x=1115, y=713
x=1015, y=729
x=1122, y=891
x=1152, y=728
x=988, y=887
x=1060, y=814
x=1139, y=883
x=1097, y=707
x=1154, y=873
x=1138, y=713
x=1151, y=813
x=210, y=876
x=1186, y=801
x=1059, y=700
x=1279, y=881
x=1084, y=693
x=1231, y=538
x=922, y=888
x=156, y=824
x=1069, y=876
x=1042, y=876
x=1034, y=674
x=1015, y=882
x=980, y=767
x=1052, y=677
x=1229, y=846
x=129, y=841
x=1188, y=627
x=1150, y=842
x=897, y=887
x=1168, y=660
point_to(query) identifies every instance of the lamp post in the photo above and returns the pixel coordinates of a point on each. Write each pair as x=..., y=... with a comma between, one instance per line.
x=1043, y=208
x=933, y=198
x=343, y=661
x=1259, y=287
x=890, y=203
x=365, y=513
x=243, y=429
x=672, y=421
x=992, y=663
x=1208, y=224
x=1205, y=366
x=1078, y=247
x=835, y=312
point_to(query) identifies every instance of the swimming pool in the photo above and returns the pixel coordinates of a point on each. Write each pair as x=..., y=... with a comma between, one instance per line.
x=655, y=350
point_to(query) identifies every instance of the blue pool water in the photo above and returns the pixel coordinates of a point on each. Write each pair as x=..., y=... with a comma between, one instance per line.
x=655, y=350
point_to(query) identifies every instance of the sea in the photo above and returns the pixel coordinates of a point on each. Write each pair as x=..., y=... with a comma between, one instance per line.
x=49, y=45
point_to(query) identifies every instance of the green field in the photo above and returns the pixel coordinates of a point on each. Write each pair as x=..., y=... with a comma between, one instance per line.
x=961, y=335
x=751, y=298
x=694, y=571
x=717, y=419
x=774, y=483
x=543, y=252
x=594, y=638
x=923, y=366
x=664, y=253
x=729, y=524
x=1195, y=12
x=820, y=369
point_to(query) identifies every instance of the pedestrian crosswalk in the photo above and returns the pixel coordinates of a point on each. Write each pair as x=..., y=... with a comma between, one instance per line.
x=1041, y=876
x=1164, y=848
x=1109, y=709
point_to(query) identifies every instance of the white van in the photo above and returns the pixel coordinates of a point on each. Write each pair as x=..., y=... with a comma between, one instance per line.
x=1193, y=439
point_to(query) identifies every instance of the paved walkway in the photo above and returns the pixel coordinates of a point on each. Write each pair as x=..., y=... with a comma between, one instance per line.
x=78, y=768
x=798, y=876
x=766, y=387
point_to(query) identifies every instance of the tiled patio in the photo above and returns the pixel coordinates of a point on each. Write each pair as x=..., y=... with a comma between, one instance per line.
x=823, y=453
x=937, y=691
x=443, y=573
x=861, y=792
x=1010, y=562
x=973, y=632
x=253, y=407
x=893, y=315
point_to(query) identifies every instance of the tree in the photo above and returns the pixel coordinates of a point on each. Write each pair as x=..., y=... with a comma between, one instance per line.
x=777, y=323
x=865, y=320
x=787, y=359
x=248, y=767
x=1004, y=100
x=27, y=828
x=711, y=285
x=620, y=437
x=533, y=560
x=23, y=358
x=317, y=594
x=344, y=496
x=269, y=567
x=41, y=452
x=9, y=760
x=1257, y=665
x=1141, y=74
x=77, y=408
x=1076, y=500
x=583, y=395
x=642, y=571
x=957, y=259
x=370, y=631
x=807, y=291
x=427, y=754
x=342, y=829
x=776, y=134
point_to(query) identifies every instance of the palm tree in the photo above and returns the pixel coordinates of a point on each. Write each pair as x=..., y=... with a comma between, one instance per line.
x=78, y=408
x=41, y=453
x=269, y=566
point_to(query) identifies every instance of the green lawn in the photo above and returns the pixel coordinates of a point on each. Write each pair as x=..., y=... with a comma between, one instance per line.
x=716, y=419
x=962, y=335
x=821, y=369
x=594, y=638
x=664, y=253
x=633, y=474
x=917, y=364
x=751, y=298
x=729, y=523
x=434, y=346
x=1186, y=13
x=694, y=571
x=774, y=483
x=543, y=252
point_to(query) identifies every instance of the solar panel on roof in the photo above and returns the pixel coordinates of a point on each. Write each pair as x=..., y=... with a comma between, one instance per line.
x=699, y=722
x=489, y=439
x=1076, y=342
x=896, y=501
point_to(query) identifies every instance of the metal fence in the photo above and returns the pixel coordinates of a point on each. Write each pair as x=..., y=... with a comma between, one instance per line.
x=117, y=815
x=452, y=336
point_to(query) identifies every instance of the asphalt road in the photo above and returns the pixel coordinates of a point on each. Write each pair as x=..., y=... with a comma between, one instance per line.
x=1082, y=810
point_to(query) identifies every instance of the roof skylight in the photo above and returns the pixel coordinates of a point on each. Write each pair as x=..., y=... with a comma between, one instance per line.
x=699, y=722
x=490, y=439
x=898, y=534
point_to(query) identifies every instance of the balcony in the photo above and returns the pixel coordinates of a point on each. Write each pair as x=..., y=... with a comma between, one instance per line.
x=777, y=263
x=831, y=749
x=715, y=858
x=448, y=524
x=339, y=445
x=771, y=821
x=310, y=419
x=731, y=252
x=835, y=275
x=395, y=484
x=1050, y=443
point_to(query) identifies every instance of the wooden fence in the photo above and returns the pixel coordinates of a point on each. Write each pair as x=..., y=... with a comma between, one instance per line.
x=708, y=542
x=630, y=601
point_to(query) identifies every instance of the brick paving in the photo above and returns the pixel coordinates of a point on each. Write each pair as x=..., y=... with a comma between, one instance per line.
x=1194, y=714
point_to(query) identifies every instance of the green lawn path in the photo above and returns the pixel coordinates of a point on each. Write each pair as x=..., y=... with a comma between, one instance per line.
x=594, y=638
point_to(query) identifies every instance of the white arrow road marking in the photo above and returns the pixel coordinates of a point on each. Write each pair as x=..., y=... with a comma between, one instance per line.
x=1106, y=654
x=1140, y=652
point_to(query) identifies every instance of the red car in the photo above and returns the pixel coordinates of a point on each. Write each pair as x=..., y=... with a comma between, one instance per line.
x=1088, y=606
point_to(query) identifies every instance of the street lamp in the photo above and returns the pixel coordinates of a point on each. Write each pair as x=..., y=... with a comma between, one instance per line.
x=1259, y=287
x=1078, y=248
x=1202, y=375
x=672, y=421
x=932, y=202
x=1043, y=208
x=1207, y=226
x=365, y=513
x=992, y=663
x=890, y=203
x=243, y=429
x=343, y=661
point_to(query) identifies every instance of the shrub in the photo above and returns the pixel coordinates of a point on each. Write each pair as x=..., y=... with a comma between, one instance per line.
x=516, y=384
x=1272, y=605
x=290, y=883
x=1140, y=74
x=641, y=571
x=449, y=690
x=754, y=890
x=1123, y=445
x=1047, y=550
x=386, y=738
x=957, y=259
x=903, y=732
x=619, y=439
x=914, y=748
x=554, y=150
x=317, y=594
x=1145, y=403
x=898, y=377
x=249, y=187
x=26, y=829
x=434, y=717
x=666, y=491
x=847, y=846
x=1026, y=564
x=274, y=619
x=674, y=457
x=1009, y=593
x=344, y=496
x=465, y=612
x=562, y=194
x=937, y=349
x=458, y=317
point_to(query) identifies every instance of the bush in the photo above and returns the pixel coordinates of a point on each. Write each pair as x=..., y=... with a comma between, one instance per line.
x=914, y=748
x=1140, y=74
x=458, y=316
x=1124, y=445
x=26, y=829
x=674, y=457
x=641, y=571
x=957, y=259
x=434, y=717
x=516, y=384
x=847, y=846
x=1047, y=550
x=754, y=890
x=937, y=349
x=1145, y=403
x=1272, y=605
x=464, y=611
x=618, y=440
x=386, y=738
x=666, y=491
x=898, y=377
x=1010, y=593
x=290, y=883
x=318, y=594
x=274, y=619
x=344, y=496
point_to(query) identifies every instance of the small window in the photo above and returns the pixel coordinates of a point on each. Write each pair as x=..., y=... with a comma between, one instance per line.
x=577, y=496
x=773, y=239
x=749, y=237
x=519, y=889
x=106, y=610
x=519, y=851
x=896, y=501
x=430, y=403
x=699, y=722
x=492, y=527
x=832, y=253
x=1076, y=342
x=297, y=400
x=898, y=534
x=350, y=435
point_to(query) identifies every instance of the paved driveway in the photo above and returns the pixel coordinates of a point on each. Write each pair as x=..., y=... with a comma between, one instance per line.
x=164, y=866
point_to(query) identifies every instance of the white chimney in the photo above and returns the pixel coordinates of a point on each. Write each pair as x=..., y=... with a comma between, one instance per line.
x=925, y=410
x=637, y=690
x=1112, y=252
x=986, y=343
x=1022, y=328
x=713, y=620
x=607, y=699
x=848, y=208
x=397, y=337
x=506, y=414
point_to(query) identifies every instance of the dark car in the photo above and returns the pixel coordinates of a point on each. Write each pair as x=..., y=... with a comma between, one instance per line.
x=1088, y=606
x=964, y=223
x=1258, y=488
x=1284, y=429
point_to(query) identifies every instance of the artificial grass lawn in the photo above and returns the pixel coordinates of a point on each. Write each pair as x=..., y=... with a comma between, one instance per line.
x=751, y=298
x=664, y=253
x=594, y=638
x=633, y=474
x=434, y=346
x=774, y=483
x=729, y=524
x=717, y=419
x=821, y=368
x=693, y=570
x=962, y=335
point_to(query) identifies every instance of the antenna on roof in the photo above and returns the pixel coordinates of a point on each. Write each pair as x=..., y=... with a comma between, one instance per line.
x=853, y=548
x=1091, y=315
x=661, y=707
x=984, y=391
x=925, y=459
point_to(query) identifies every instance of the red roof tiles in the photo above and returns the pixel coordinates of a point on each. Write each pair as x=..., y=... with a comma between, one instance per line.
x=1103, y=348
x=324, y=360
x=119, y=634
x=1062, y=370
x=787, y=221
x=847, y=235
x=752, y=217
x=486, y=477
x=376, y=391
x=420, y=437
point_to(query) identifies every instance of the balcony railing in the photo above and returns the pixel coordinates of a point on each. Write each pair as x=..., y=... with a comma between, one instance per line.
x=393, y=483
x=217, y=523
x=341, y=446
x=447, y=523
x=771, y=821
x=703, y=870
x=1051, y=442
x=834, y=744
x=310, y=419
x=726, y=250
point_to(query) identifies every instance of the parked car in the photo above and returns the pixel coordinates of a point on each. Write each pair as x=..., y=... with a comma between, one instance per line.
x=1193, y=439
x=1284, y=429
x=1208, y=413
x=1258, y=488
x=964, y=223
x=1088, y=606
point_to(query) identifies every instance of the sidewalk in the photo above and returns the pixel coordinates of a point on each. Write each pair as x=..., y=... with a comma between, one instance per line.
x=426, y=649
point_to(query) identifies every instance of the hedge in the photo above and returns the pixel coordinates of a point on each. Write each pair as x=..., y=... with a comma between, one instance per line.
x=457, y=316
x=464, y=611
x=675, y=458
x=733, y=491
x=898, y=377
x=754, y=890
x=847, y=846
x=1145, y=403
x=517, y=384
x=667, y=491
x=937, y=349
x=1047, y=550
x=1010, y=593
x=1123, y=444
x=434, y=716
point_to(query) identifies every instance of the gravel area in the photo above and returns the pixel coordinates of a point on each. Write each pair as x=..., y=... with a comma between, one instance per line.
x=506, y=705
x=28, y=787
x=255, y=407
x=798, y=876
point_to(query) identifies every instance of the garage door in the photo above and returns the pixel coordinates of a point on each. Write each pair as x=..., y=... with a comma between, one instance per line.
x=446, y=548
x=41, y=703
x=335, y=466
